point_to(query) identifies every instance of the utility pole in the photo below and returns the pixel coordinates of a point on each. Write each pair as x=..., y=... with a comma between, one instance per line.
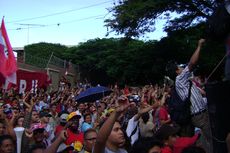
x=28, y=29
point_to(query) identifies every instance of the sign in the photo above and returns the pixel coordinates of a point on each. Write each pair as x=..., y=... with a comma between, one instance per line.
x=30, y=81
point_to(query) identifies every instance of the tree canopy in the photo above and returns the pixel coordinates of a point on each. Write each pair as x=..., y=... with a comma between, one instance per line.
x=132, y=62
x=44, y=50
x=136, y=17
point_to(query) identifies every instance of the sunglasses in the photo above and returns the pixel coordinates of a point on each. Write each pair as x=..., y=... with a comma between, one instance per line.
x=91, y=139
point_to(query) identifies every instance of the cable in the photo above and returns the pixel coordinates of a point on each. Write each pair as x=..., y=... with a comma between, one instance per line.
x=59, y=13
x=217, y=66
x=58, y=24
x=96, y=16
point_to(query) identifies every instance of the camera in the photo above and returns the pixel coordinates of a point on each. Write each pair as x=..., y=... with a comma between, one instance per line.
x=134, y=98
x=7, y=110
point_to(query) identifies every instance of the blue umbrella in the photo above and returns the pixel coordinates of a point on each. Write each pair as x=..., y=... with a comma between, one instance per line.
x=93, y=94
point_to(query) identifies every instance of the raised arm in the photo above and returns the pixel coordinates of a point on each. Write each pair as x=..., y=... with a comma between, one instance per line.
x=142, y=111
x=10, y=125
x=106, y=128
x=195, y=57
x=54, y=146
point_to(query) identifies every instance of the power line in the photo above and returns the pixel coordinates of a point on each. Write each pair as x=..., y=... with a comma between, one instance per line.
x=59, y=13
x=33, y=26
x=77, y=20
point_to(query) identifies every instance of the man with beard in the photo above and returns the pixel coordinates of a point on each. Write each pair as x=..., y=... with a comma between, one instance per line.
x=75, y=138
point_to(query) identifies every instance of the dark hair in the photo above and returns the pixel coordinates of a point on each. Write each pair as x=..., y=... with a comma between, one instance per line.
x=5, y=137
x=145, y=117
x=102, y=121
x=2, y=121
x=166, y=131
x=35, y=147
x=193, y=149
x=16, y=120
x=170, y=69
x=88, y=131
x=78, y=104
x=85, y=115
x=104, y=104
x=53, y=104
x=143, y=145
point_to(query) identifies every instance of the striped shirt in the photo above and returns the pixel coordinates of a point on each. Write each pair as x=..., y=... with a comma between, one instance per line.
x=182, y=87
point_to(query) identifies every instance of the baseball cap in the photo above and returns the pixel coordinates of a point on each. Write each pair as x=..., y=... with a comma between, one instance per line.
x=44, y=114
x=73, y=114
x=63, y=117
x=181, y=65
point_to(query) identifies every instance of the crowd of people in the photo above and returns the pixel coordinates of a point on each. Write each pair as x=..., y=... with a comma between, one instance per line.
x=131, y=119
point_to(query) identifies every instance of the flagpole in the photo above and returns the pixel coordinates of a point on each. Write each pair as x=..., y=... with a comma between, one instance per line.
x=49, y=60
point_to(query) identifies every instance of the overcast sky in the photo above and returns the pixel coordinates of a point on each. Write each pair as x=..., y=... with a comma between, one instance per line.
x=67, y=22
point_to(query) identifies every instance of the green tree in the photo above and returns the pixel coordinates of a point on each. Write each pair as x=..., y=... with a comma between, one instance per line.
x=40, y=53
x=136, y=17
x=44, y=50
x=133, y=62
x=118, y=60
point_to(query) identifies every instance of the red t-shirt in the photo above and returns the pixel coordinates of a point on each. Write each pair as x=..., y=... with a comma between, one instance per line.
x=58, y=108
x=73, y=137
x=126, y=90
x=58, y=129
x=183, y=142
x=163, y=114
x=166, y=149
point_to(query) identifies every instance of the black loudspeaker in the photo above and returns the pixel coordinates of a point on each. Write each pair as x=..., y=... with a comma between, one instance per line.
x=218, y=95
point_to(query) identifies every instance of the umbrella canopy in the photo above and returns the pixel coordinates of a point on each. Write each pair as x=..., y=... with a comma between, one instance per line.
x=93, y=94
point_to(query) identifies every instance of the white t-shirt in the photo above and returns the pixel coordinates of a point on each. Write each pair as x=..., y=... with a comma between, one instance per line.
x=132, y=124
x=118, y=151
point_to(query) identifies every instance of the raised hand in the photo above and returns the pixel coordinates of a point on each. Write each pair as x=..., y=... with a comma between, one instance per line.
x=122, y=105
x=29, y=133
x=2, y=115
x=201, y=42
x=63, y=135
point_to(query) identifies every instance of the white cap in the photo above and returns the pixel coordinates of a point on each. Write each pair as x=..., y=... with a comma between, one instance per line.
x=63, y=117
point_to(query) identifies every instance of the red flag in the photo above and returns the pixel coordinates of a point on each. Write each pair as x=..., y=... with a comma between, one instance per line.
x=9, y=65
x=2, y=54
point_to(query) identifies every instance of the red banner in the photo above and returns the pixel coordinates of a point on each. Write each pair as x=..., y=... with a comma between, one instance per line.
x=30, y=81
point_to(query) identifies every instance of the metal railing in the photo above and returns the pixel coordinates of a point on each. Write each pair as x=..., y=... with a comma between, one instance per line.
x=45, y=62
x=35, y=61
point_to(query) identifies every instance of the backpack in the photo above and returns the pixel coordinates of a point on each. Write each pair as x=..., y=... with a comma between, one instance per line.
x=179, y=110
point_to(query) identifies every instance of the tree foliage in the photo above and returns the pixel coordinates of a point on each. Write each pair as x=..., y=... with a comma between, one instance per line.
x=133, y=62
x=44, y=50
x=136, y=62
x=136, y=17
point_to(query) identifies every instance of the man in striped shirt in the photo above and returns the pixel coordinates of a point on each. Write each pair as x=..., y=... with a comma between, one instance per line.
x=199, y=113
